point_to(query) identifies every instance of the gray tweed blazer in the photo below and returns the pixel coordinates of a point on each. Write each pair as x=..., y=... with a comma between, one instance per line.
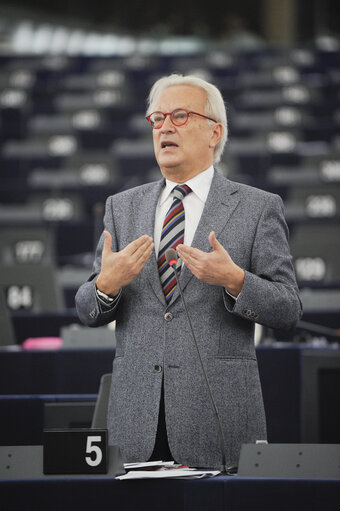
x=250, y=225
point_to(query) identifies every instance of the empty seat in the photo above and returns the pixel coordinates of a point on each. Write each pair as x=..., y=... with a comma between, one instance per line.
x=7, y=336
x=310, y=202
x=134, y=154
x=78, y=336
x=43, y=208
x=31, y=245
x=30, y=287
x=320, y=300
x=315, y=247
x=100, y=411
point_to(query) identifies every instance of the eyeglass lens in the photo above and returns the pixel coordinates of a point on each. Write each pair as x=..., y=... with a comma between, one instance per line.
x=178, y=117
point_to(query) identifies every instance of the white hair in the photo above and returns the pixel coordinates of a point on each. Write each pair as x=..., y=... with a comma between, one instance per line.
x=215, y=107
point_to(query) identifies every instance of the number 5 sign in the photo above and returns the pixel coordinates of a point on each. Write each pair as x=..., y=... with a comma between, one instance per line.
x=92, y=448
x=75, y=451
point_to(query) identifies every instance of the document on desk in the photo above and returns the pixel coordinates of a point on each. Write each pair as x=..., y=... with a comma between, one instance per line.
x=164, y=470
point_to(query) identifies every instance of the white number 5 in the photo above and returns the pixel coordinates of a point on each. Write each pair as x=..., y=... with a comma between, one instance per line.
x=90, y=448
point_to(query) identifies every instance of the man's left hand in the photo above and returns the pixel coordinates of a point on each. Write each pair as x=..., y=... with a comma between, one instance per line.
x=216, y=267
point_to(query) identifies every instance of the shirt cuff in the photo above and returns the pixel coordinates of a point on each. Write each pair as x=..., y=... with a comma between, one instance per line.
x=231, y=296
x=108, y=301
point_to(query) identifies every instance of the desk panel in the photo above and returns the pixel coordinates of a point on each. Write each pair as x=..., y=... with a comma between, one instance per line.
x=216, y=494
x=78, y=371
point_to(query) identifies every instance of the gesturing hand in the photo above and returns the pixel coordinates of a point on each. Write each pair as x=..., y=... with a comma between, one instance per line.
x=216, y=267
x=120, y=268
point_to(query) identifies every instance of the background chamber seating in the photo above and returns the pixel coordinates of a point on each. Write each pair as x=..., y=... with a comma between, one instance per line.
x=73, y=131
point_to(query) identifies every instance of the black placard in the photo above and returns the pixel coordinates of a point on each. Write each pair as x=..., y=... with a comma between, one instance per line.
x=75, y=451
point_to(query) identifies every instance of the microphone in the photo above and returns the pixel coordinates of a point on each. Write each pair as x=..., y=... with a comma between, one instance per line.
x=171, y=258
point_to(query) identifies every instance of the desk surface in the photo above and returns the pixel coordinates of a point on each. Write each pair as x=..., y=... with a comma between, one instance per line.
x=216, y=494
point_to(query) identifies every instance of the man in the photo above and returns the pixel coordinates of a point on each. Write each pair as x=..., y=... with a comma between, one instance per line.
x=235, y=270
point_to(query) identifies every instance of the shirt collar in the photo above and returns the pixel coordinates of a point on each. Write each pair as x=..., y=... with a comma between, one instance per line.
x=200, y=185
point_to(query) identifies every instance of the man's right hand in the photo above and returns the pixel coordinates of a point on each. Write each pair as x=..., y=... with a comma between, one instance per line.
x=120, y=268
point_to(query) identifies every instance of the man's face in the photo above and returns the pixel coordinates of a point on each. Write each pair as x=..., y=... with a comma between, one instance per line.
x=184, y=151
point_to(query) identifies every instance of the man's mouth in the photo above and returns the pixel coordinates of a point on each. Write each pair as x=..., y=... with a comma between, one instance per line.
x=168, y=144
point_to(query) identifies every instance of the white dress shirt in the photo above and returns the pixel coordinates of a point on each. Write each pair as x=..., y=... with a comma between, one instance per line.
x=193, y=204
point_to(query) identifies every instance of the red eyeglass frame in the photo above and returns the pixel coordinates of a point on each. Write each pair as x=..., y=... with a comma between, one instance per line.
x=188, y=112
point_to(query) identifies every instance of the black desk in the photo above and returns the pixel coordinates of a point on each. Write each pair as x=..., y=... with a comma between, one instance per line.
x=66, y=371
x=78, y=372
x=217, y=494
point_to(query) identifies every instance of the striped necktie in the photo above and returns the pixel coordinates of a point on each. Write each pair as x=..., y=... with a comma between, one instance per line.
x=172, y=235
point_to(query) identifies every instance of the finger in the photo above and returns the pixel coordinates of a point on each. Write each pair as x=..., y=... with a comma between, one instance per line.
x=107, y=248
x=189, y=252
x=144, y=259
x=134, y=266
x=140, y=243
x=136, y=260
x=213, y=241
x=183, y=256
x=192, y=265
x=188, y=260
x=143, y=253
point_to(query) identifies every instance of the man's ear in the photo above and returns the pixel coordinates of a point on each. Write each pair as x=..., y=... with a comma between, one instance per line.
x=216, y=134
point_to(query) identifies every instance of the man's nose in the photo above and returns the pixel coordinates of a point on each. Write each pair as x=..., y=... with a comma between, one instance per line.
x=167, y=125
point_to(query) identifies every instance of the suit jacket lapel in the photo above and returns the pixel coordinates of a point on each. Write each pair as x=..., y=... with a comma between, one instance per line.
x=221, y=202
x=146, y=204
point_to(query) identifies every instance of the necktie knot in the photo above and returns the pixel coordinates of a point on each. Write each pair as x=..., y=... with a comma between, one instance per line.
x=181, y=191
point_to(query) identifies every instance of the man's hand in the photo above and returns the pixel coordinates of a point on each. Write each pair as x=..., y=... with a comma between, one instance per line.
x=214, y=267
x=120, y=268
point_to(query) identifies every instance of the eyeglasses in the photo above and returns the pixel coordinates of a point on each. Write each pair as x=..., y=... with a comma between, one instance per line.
x=178, y=117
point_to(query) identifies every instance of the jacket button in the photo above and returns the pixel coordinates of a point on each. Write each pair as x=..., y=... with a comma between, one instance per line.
x=158, y=368
x=168, y=316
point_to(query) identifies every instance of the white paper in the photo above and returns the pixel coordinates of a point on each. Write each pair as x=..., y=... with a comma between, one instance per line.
x=168, y=473
x=148, y=464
